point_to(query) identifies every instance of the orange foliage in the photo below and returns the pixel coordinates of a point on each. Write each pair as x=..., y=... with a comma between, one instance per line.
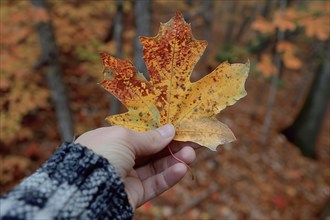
x=18, y=96
x=285, y=21
x=288, y=50
x=12, y=167
x=291, y=61
x=169, y=96
x=21, y=98
x=40, y=15
x=285, y=47
x=266, y=65
x=275, y=177
x=263, y=26
x=317, y=27
x=315, y=22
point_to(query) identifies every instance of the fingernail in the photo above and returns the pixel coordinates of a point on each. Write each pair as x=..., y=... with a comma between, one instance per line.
x=166, y=131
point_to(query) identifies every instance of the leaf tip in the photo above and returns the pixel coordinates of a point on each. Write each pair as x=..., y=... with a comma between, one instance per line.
x=178, y=15
x=103, y=55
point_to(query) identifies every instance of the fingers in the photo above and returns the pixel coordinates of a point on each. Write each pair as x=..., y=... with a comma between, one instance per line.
x=161, y=182
x=160, y=175
x=150, y=142
x=186, y=154
x=175, y=147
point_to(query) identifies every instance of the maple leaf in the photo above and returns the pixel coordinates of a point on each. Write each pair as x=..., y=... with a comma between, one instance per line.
x=169, y=96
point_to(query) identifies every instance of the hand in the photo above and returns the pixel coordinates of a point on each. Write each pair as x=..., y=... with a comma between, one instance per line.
x=141, y=158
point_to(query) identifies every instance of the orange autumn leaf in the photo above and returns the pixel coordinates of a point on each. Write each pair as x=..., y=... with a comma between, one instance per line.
x=285, y=47
x=291, y=61
x=288, y=50
x=285, y=21
x=40, y=15
x=317, y=27
x=266, y=65
x=170, y=96
x=263, y=26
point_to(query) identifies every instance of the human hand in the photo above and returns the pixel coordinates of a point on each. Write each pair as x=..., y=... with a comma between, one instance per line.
x=141, y=158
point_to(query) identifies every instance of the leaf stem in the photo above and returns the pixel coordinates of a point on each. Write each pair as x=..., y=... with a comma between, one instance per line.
x=181, y=161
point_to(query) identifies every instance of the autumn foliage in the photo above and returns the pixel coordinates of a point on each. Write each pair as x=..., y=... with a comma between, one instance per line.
x=245, y=179
x=169, y=96
x=313, y=23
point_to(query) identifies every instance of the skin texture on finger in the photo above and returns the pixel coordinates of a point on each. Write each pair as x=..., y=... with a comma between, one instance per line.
x=150, y=142
x=186, y=154
x=140, y=192
x=121, y=146
x=161, y=182
x=142, y=143
x=135, y=188
x=175, y=147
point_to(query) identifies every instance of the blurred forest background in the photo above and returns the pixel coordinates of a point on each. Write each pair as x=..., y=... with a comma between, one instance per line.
x=279, y=166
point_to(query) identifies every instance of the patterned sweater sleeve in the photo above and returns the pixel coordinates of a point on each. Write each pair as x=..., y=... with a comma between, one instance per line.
x=74, y=183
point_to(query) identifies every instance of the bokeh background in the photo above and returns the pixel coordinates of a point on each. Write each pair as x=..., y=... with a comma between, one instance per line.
x=279, y=166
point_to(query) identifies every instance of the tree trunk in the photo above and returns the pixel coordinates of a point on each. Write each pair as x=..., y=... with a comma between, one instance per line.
x=208, y=17
x=273, y=87
x=117, y=36
x=50, y=59
x=305, y=129
x=267, y=8
x=143, y=24
x=306, y=80
x=231, y=7
x=249, y=13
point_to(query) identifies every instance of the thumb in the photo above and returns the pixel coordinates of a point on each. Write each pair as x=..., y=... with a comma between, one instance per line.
x=150, y=142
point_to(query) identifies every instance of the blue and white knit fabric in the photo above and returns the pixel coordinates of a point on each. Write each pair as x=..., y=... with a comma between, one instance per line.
x=74, y=183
